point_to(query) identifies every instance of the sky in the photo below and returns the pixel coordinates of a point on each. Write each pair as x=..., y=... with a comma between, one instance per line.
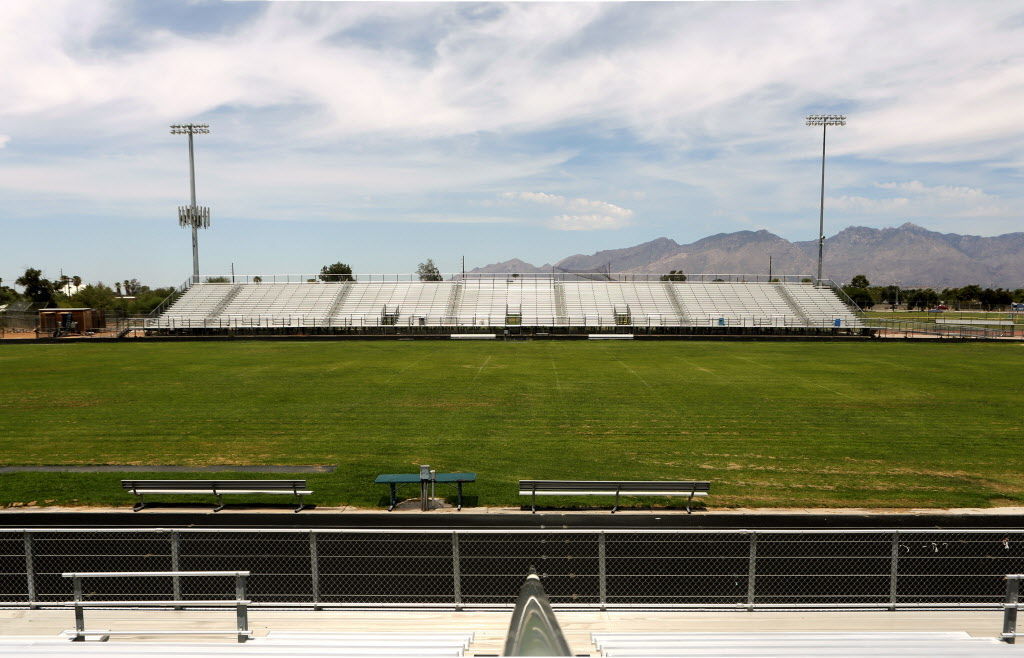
x=383, y=134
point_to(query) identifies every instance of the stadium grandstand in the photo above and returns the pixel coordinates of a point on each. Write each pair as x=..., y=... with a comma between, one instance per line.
x=712, y=303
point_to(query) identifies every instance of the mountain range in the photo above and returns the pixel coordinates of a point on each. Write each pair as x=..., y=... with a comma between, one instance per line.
x=912, y=255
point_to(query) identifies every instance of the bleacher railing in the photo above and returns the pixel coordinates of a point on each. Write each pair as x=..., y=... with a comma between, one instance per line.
x=169, y=300
x=684, y=568
x=582, y=277
x=499, y=320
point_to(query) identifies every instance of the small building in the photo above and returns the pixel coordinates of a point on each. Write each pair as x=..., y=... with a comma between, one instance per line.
x=78, y=320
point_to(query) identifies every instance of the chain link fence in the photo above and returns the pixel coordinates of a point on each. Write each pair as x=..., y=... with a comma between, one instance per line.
x=481, y=568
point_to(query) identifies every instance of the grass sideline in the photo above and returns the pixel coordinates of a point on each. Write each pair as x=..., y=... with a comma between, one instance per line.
x=770, y=424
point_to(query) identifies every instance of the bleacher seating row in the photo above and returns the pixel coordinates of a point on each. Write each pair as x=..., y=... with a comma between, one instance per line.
x=507, y=302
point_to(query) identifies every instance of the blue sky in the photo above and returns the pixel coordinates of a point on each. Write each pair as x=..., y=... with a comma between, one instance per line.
x=383, y=134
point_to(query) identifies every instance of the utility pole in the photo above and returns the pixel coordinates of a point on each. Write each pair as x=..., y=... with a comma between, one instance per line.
x=769, y=268
x=823, y=120
x=194, y=216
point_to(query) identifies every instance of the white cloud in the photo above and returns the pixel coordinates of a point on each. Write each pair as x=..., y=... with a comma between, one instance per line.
x=581, y=214
x=920, y=200
x=585, y=222
x=862, y=204
x=945, y=192
x=332, y=99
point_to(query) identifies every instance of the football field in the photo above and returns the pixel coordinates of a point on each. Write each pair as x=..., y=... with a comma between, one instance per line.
x=794, y=424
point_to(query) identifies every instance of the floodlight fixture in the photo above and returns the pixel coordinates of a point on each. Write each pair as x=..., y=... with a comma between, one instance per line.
x=193, y=216
x=826, y=120
x=190, y=129
x=823, y=120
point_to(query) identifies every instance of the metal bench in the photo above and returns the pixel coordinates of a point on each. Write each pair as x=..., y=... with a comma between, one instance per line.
x=395, y=479
x=218, y=488
x=687, y=488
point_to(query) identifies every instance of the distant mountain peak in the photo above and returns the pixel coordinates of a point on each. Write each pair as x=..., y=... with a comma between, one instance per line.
x=909, y=253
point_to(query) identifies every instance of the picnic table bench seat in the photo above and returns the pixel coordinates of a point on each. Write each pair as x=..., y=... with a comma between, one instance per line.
x=218, y=488
x=688, y=488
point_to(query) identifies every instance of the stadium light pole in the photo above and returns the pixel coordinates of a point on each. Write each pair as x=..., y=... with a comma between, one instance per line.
x=823, y=120
x=192, y=215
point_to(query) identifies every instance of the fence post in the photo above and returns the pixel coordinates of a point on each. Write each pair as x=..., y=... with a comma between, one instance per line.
x=1010, y=609
x=30, y=571
x=314, y=569
x=242, y=607
x=456, y=571
x=602, y=570
x=894, y=567
x=79, y=610
x=176, y=565
x=752, y=571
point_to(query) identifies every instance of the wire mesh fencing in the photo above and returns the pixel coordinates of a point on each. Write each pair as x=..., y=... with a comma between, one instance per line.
x=484, y=568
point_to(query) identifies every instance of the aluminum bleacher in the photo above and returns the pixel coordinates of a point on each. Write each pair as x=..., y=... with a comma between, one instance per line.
x=507, y=300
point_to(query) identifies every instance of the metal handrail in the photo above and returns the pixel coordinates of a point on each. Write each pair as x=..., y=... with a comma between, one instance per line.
x=170, y=299
x=241, y=602
x=534, y=629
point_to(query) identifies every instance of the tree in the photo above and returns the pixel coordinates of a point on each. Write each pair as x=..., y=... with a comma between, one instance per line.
x=118, y=286
x=674, y=275
x=858, y=291
x=95, y=295
x=890, y=295
x=922, y=299
x=38, y=289
x=337, y=272
x=132, y=287
x=859, y=281
x=998, y=297
x=428, y=271
x=971, y=293
x=76, y=281
x=8, y=295
x=860, y=296
x=212, y=279
x=257, y=279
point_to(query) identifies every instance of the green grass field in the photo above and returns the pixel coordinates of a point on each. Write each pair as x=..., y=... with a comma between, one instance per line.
x=771, y=424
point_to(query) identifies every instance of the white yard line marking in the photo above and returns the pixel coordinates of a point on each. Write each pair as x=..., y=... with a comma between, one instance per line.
x=482, y=366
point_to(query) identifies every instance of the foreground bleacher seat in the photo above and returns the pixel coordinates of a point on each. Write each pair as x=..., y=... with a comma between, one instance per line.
x=305, y=644
x=804, y=645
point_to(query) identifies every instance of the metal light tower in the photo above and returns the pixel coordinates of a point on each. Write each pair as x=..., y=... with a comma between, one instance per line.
x=823, y=120
x=192, y=215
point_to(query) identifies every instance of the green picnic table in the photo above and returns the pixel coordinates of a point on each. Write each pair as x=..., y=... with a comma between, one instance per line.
x=394, y=479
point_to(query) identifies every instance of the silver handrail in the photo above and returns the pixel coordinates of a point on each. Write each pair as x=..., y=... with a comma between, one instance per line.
x=240, y=602
x=534, y=630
